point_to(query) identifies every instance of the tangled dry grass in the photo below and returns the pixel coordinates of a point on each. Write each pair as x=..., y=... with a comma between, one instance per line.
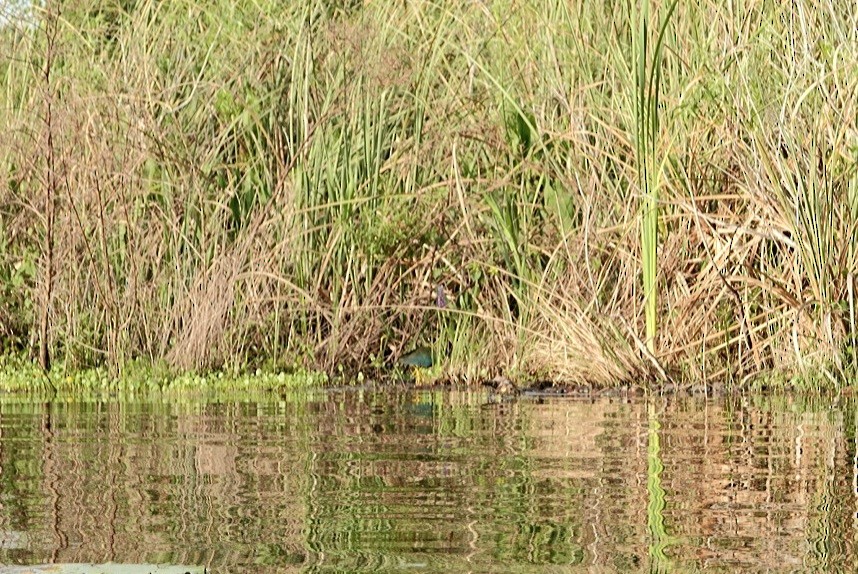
x=290, y=186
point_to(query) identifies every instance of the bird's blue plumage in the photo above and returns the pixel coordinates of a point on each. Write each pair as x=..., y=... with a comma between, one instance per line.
x=420, y=357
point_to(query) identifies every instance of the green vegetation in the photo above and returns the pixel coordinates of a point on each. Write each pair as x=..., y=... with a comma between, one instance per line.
x=20, y=376
x=286, y=185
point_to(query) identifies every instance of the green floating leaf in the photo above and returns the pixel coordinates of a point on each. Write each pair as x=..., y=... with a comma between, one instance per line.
x=108, y=568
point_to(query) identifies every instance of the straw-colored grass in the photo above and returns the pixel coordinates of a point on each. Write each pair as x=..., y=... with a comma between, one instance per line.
x=229, y=184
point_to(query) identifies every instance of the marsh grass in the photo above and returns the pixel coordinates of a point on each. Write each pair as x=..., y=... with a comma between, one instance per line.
x=650, y=153
x=287, y=184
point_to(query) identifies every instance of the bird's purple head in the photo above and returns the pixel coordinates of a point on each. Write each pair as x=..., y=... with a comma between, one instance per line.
x=440, y=297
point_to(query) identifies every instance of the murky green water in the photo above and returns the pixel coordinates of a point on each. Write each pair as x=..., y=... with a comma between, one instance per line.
x=432, y=482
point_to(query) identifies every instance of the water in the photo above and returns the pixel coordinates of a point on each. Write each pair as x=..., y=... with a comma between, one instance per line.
x=351, y=481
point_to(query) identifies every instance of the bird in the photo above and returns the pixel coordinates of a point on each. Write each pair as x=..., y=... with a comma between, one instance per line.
x=421, y=358
x=418, y=360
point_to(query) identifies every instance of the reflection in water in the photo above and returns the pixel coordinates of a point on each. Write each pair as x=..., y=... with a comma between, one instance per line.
x=433, y=482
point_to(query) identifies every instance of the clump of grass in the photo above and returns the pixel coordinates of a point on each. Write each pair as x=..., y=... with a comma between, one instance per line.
x=646, y=69
x=287, y=187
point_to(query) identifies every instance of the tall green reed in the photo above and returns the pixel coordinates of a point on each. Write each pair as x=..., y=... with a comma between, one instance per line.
x=646, y=67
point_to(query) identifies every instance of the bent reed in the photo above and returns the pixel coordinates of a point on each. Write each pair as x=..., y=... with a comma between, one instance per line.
x=606, y=191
